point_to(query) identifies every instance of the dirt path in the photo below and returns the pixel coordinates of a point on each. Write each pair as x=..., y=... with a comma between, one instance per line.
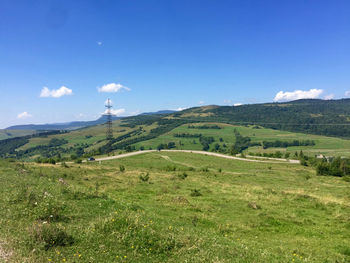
x=4, y=255
x=199, y=152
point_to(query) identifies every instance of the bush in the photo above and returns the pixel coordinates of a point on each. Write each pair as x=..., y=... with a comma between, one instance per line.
x=331, y=169
x=47, y=236
x=183, y=175
x=303, y=162
x=144, y=177
x=346, y=178
x=205, y=169
x=122, y=168
x=195, y=192
x=170, y=168
x=64, y=165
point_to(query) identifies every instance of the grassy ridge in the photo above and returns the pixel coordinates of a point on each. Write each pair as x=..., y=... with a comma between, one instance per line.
x=193, y=208
x=6, y=134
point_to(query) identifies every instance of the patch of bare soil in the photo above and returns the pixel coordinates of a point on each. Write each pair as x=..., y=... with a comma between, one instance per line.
x=4, y=254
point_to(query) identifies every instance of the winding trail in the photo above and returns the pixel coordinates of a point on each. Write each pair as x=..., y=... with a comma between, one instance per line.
x=275, y=160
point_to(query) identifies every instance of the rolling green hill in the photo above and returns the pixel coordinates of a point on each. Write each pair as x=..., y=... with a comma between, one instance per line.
x=324, y=123
x=6, y=134
x=323, y=145
x=323, y=117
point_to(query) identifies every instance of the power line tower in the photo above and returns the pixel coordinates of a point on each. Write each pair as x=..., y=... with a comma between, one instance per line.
x=109, y=129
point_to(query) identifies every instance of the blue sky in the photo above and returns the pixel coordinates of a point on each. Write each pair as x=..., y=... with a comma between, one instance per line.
x=166, y=55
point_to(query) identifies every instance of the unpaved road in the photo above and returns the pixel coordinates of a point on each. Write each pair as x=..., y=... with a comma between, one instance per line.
x=275, y=160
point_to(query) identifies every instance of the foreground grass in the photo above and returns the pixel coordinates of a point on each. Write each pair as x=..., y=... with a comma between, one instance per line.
x=173, y=207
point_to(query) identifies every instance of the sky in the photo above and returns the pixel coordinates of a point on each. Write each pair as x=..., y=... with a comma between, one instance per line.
x=60, y=60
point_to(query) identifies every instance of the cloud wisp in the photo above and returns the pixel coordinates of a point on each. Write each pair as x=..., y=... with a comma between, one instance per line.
x=115, y=112
x=297, y=95
x=112, y=88
x=329, y=97
x=347, y=93
x=181, y=108
x=24, y=115
x=55, y=93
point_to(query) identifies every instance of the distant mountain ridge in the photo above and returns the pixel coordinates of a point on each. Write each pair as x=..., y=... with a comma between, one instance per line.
x=158, y=112
x=75, y=124
x=60, y=126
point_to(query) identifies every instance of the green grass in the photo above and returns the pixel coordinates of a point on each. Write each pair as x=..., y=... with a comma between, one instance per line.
x=221, y=211
x=94, y=137
x=329, y=146
x=7, y=134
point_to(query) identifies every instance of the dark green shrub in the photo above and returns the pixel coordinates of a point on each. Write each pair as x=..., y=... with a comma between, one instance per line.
x=47, y=235
x=63, y=164
x=183, y=175
x=195, y=192
x=346, y=179
x=144, y=177
x=205, y=169
x=170, y=168
x=122, y=168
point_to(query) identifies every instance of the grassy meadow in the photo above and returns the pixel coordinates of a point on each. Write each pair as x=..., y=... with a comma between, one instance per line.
x=92, y=138
x=172, y=207
x=329, y=146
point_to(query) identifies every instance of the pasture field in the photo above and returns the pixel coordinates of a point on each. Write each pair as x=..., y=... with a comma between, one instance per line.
x=172, y=207
x=92, y=138
x=329, y=146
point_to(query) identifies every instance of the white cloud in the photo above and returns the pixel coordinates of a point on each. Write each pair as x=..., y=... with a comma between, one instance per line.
x=24, y=115
x=115, y=112
x=112, y=87
x=201, y=102
x=329, y=97
x=237, y=104
x=135, y=112
x=99, y=43
x=227, y=101
x=180, y=109
x=55, y=93
x=347, y=93
x=298, y=94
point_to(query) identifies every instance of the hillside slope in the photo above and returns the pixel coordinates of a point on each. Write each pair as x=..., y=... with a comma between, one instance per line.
x=259, y=122
x=323, y=117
